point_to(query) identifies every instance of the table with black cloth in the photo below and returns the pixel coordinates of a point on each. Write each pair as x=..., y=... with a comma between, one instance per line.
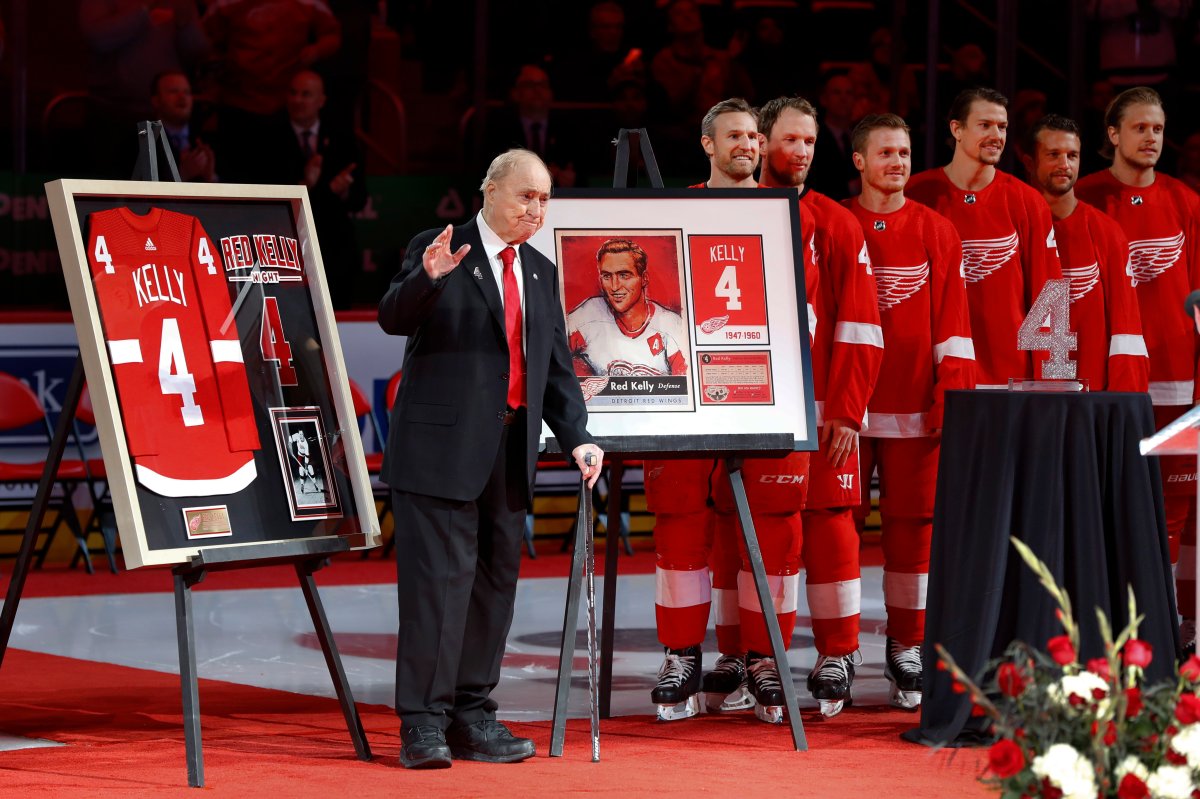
x=1062, y=472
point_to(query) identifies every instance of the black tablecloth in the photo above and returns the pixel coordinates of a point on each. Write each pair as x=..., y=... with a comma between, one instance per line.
x=1063, y=473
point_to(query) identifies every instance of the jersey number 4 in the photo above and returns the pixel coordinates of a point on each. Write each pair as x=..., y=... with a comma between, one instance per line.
x=275, y=346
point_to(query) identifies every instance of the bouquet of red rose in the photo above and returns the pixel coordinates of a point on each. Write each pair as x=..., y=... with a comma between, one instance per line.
x=1071, y=731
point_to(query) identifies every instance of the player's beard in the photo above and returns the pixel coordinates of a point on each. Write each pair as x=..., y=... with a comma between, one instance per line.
x=792, y=177
x=738, y=169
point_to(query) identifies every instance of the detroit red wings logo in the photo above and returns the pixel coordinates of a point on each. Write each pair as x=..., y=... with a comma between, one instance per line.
x=714, y=324
x=1083, y=280
x=591, y=386
x=981, y=257
x=895, y=284
x=1149, y=258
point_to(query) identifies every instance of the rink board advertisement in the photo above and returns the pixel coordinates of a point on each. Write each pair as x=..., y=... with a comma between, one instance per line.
x=213, y=364
x=685, y=311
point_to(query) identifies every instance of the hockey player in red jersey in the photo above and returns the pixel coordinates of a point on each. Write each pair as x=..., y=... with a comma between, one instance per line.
x=1112, y=354
x=1007, y=234
x=916, y=256
x=176, y=356
x=847, y=352
x=1160, y=217
x=697, y=551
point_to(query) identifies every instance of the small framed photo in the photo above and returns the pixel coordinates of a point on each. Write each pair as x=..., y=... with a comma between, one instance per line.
x=304, y=463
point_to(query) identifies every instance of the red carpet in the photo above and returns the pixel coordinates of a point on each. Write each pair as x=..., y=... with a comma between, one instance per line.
x=122, y=727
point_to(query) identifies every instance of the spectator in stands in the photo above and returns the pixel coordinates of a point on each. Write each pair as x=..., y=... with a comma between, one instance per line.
x=873, y=81
x=1092, y=156
x=134, y=40
x=262, y=44
x=589, y=72
x=172, y=102
x=689, y=77
x=1189, y=162
x=769, y=59
x=302, y=146
x=530, y=123
x=346, y=71
x=834, y=175
x=968, y=69
x=131, y=41
x=1028, y=107
x=1137, y=40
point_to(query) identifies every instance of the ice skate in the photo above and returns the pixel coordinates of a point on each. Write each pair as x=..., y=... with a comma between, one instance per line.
x=677, y=694
x=725, y=686
x=765, y=687
x=902, y=667
x=830, y=681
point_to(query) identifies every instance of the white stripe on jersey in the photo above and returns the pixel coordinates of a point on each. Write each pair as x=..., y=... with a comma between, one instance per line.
x=1171, y=392
x=956, y=347
x=858, y=333
x=226, y=351
x=126, y=350
x=1125, y=344
x=179, y=487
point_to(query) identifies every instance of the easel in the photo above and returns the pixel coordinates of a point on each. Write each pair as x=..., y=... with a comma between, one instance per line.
x=732, y=449
x=306, y=555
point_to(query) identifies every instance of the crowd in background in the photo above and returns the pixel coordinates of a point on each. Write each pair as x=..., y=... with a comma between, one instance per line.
x=558, y=78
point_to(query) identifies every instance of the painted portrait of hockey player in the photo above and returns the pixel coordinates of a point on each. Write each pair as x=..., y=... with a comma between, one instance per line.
x=304, y=463
x=626, y=318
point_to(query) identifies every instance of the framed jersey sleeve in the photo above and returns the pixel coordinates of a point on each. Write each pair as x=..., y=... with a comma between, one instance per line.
x=214, y=366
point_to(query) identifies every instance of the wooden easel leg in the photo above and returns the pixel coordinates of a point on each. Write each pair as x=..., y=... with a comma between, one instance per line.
x=304, y=571
x=779, y=650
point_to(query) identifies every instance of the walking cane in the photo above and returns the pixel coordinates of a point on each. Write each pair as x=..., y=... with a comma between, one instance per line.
x=589, y=575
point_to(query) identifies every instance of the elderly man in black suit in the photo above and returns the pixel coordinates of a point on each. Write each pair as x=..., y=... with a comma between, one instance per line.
x=486, y=361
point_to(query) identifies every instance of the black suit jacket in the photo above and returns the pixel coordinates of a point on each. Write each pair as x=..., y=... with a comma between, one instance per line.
x=448, y=416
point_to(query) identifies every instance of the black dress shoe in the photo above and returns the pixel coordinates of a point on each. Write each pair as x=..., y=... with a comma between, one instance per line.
x=488, y=741
x=424, y=747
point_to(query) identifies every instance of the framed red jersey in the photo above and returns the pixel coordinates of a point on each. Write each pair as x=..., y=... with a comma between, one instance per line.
x=214, y=366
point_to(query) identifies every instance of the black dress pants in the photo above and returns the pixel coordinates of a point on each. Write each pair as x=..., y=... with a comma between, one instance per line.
x=457, y=565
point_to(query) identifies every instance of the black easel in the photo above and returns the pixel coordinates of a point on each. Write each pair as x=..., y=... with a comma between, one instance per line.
x=306, y=555
x=732, y=449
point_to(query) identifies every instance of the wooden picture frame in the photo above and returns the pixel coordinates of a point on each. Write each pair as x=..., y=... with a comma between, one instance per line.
x=247, y=288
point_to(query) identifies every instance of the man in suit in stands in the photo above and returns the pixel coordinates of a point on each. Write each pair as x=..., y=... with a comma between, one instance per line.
x=485, y=362
x=304, y=147
x=530, y=122
x=172, y=101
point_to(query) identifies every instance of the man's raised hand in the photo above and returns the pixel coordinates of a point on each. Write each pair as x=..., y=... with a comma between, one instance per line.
x=437, y=258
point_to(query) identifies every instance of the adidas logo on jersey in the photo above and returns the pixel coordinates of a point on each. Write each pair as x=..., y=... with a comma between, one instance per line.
x=150, y=245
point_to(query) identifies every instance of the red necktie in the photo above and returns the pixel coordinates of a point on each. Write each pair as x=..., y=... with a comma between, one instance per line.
x=513, y=323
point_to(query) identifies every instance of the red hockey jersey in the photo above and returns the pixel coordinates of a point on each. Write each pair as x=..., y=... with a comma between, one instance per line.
x=1160, y=221
x=1112, y=354
x=848, y=345
x=1008, y=254
x=175, y=352
x=917, y=260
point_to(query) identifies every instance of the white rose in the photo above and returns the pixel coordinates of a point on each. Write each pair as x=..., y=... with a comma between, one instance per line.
x=1171, y=782
x=1067, y=770
x=1187, y=743
x=1131, y=765
x=1081, y=685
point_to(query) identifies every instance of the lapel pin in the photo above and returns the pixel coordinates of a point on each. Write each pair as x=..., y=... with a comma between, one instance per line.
x=478, y=274
x=535, y=277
